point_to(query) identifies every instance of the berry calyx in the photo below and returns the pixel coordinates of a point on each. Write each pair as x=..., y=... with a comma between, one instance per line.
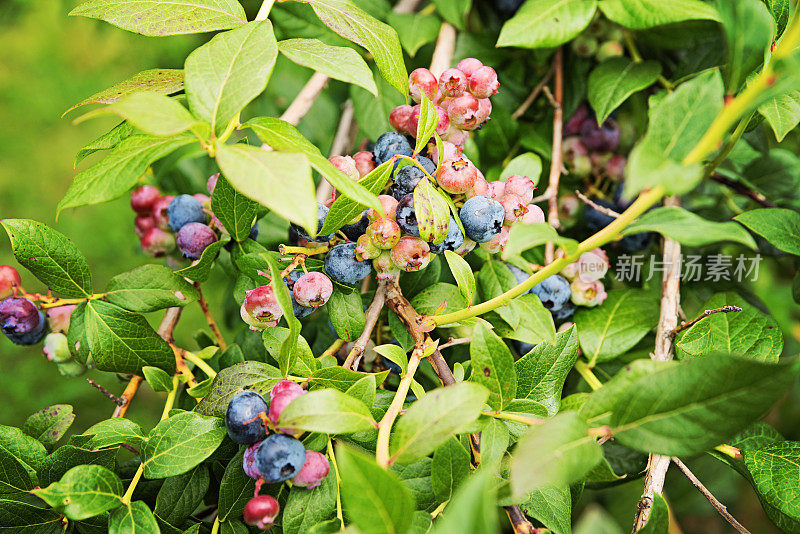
x=453, y=82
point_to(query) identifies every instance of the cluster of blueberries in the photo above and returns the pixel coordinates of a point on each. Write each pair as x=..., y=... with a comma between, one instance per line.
x=308, y=290
x=601, y=40
x=271, y=457
x=25, y=324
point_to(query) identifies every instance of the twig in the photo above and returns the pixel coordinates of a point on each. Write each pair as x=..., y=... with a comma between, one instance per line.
x=127, y=396
x=742, y=189
x=688, y=324
x=210, y=319
x=520, y=111
x=373, y=312
x=443, y=52
x=456, y=341
x=305, y=99
x=723, y=511
x=596, y=206
x=333, y=349
x=555, y=156
x=341, y=142
x=670, y=299
x=518, y=520
x=113, y=398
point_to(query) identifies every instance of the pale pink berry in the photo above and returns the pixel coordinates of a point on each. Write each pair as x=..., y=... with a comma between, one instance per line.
x=484, y=110
x=203, y=199
x=157, y=242
x=284, y=387
x=515, y=208
x=313, y=472
x=568, y=205
x=160, y=211
x=575, y=123
x=313, y=289
x=399, y=118
x=422, y=82
x=211, y=183
x=498, y=242
x=522, y=186
x=143, y=198
x=249, y=461
x=565, y=326
x=497, y=190
x=389, y=205
x=385, y=267
x=456, y=176
x=463, y=111
x=366, y=249
x=588, y=294
x=576, y=156
x=592, y=265
x=58, y=318
x=469, y=65
x=452, y=83
x=280, y=396
x=365, y=162
x=441, y=126
x=480, y=188
x=483, y=82
x=534, y=215
x=449, y=151
x=411, y=254
x=260, y=308
x=346, y=165
x=615, y=167
x=384, y=233
x=457, y=136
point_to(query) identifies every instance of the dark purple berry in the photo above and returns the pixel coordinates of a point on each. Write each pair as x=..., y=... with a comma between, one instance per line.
x=21, y=321
x=194, y=238
x=241, y=417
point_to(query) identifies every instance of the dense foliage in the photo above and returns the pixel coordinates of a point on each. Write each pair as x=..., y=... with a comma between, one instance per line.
x=532, y=278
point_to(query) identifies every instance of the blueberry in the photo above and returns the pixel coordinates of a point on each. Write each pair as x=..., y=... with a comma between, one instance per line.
x=523, y=348
x=427, y=164
x=322, y=212
x=300, y=311
x=519, y=275
x=453, y=240
x=253, y=232
x=566, y=312
x=482, y=218
x=603, y=138
x=391, y=366
x=407, y=179
x=406, y=216
x=280, y=457
x=353, y=231
x=244, y=407
x=595, y=220
x=194, y=238
x=553, y=291
x=343, y=267
x=389, y=145
x=635, y=242
x=21, y=321
x=184, y=209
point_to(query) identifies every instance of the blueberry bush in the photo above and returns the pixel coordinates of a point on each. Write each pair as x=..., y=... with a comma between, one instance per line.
x=551, y=255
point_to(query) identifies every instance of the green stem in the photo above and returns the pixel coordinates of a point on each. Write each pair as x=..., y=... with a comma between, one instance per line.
x=215, y=526
x=728, y=148
x=171, y=397
x=199, y=362
x=385, y=426
x=586, y=372
x=515, y=418
x=339, y=514
x=263, y=13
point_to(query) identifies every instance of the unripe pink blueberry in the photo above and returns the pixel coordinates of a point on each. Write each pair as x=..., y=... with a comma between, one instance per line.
x=366, y=249
x=194, y=238
x=615, y=167
x=497, y=190
x=576, y=156
x=575, y=123
x=389, y=205
x=588, y=294
x=456, y=176
x=346, y=165
x=484, y=110
x=411, y=254
x=568, y=205
x=515, y=208
x=480, y=188
x=385, y=267
x=534, y=215
x=313, y=289
x=441, y=126
x=498, y=242
x=157, y=242
x=260, y=308
x=399, y=118
x=455, y=135
x=9, y=279
x=565, y=326
x=261, y=511
x=280, y=396
x=313, y=472
x=58, y=318
x=249, y=461
x=211, y=183
x=483, y=82
x=143, y=224
x=285, y=387
x=449, y=151
x=160, y=211
x=521, y=186
x=453, y=83
x=422, y=82
x=590, y=266
x=202, y=198
x=56, y=348
x=384, y=233
x=143, y=198
x=469, y=65
x=463, y=111
x=365, y=162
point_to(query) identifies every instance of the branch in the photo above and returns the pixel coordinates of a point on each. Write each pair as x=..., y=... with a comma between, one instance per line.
x=455, y=341
x=555, y=156
x=443, y=52
x=385, y=425
x=520, y=111
x=110, y=396
x=305, y=99
x=518, y=520
x=742, y=189
x=684, y=325
x=596, y=206
x=723, y=511
x=210, y=319
x=670, y=298
x=373, y=312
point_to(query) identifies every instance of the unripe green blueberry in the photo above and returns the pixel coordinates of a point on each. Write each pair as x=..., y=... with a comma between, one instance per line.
x=384, y=233
x=609, y=49
x=366, y=249
x=71, y=368
x=56, y=347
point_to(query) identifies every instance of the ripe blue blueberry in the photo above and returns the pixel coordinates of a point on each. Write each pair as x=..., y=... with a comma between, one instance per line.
x=406, y=216
x=553, y=291
x=596, y=220
x=523, y=348
x=389, y=145
x=427, y=164
x=353, y=231
x=322, y=212
x=280, y=457
x=453, y=240
x=406, y=180
x=184, y=209
x=482, y=218
x=342, y=266
x=519, y=275
x=244, y=407
x=565, y=313
x=21, y=321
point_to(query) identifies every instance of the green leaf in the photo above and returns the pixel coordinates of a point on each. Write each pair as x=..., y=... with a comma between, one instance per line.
x=49, y=425
x=554, y=454
x=492, y=366
x=283, y=137
x=689, y=229
x=450, y=467
x=200, y=271
x=434, y=418
x=150, y=112
x=426, y=126
x=50, y=256
x=643, y=14
x=329, y=411
x=122, y=341
x=287, y=356
x=14, y=477
x=107, y=141
x=547, y=23
x=374, y=498
x=337, y=62
x=432, y=211
x=658, y=522
x=414, y=30
x=256, y=376
x=349, y=21
x=149, y=288
x=614, y=80
x=535, y=321
x=749, y=332
x=120, y=170
x=181, y=442
x=16, y=516
x=612, y=329
x=28, y=450
x=155, y=18
x=134, y=518
x=236, y=212
x=158, y=379
x=343, y=209
x=228, y=72
x=527, y=164
x=782, y=113
x=495, y=438
x=550, y=506
x=83, y=492
x=278, y=180
x=113, y=432
x=462, y=272
x=235, y=489
x=307, y=507
x=66, y=457
x=781, y=227
x=473, y=507
x=162, y=81
x=395, y=354
x=676, y=124
x=542, y=372
x=527, y=236
x=417, y=477
x=685, y=408
x=454, y=11
x=346, y=312
x=749, y=29
x=429, y=299
x=775, y=471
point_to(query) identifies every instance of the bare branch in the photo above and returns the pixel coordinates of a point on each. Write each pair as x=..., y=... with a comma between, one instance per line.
x=110, y=396
x=742, y=189
x=518, y=520
x=210, y=319
x=723, y=511
x=555, y=156
x=520, y=111
x=596, y=206
x=684, y=325
x=445, y=46
x=373, y=312
x=455, y=341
